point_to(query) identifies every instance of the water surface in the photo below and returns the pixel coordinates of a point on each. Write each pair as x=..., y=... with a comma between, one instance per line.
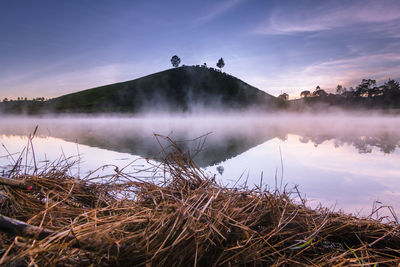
x=343, y=161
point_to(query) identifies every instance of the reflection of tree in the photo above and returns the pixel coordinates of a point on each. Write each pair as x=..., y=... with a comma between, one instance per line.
x=338, y=143
x=281, y=136
x=362, y=147
x=319, y=139
x=304, y=140
x=385, y=141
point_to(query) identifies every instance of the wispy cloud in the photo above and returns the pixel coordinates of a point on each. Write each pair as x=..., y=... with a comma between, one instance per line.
x=216, y=10
x=328, y=74
x=352, y=70
x=329, y=15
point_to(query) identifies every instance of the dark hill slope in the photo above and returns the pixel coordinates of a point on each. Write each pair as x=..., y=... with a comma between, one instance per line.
x=175, y=89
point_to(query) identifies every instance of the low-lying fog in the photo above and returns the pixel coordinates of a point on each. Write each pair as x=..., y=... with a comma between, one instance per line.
x=136, y=134
x=350, y=159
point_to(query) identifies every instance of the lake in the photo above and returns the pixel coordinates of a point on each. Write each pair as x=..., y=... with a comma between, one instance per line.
x=344, y=161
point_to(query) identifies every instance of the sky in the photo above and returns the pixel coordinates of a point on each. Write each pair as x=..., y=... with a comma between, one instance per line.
x=49, y=48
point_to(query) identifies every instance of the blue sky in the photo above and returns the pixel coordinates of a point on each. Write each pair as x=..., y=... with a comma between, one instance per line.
x=49, y=48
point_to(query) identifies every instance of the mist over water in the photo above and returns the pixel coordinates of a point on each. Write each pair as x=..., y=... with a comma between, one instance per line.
x=346, y=160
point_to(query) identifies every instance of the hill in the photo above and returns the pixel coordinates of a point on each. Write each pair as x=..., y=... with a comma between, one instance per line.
x=178, y=89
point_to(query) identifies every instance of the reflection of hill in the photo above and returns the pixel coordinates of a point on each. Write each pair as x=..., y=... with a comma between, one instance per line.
x=221, y=145
x=206, y=151
x=220, y=148
x=222, y=139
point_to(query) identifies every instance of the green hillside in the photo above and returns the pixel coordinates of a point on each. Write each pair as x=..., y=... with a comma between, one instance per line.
x=177, y=89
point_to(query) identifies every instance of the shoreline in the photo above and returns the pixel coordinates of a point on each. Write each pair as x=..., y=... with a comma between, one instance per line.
x=187, y=219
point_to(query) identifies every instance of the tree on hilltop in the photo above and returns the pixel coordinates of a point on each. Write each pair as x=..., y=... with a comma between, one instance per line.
x=175, y=61
x=220, y=63
x=305, y=93
x=319, y=92
x=284, y=96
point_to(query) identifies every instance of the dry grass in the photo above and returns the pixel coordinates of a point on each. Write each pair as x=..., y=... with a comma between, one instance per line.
x=185, y=220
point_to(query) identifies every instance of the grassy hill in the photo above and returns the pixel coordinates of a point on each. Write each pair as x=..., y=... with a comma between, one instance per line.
x=178, y=89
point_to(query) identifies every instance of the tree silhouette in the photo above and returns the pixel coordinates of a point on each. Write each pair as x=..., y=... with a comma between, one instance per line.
x=220, y=63
x=340, y=89
x=391, y=86
x=365, y=87
x=319, y=92
x=305, y=93
x=175, y=61
x=284, y=96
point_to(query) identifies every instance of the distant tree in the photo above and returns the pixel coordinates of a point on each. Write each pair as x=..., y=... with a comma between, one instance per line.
x=349, y=92
x=319, y=92
x=305, y=94
x=371, y=87
x=340, y=89
x=365, y=87
x=175, y=61
x=284, y=96
x=204, y=65
x=391, y=86
x=5, y=99
x=220, y=63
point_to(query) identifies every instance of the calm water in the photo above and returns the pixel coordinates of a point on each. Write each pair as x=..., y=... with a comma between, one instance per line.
x=341, y=161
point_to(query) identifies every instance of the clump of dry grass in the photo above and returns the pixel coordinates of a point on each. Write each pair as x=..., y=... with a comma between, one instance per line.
x=187, y=219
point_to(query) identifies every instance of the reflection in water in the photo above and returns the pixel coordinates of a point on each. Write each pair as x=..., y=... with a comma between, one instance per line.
x=340, y=177
x=227, y=137
x=350, y=160
x=387, y=142
x=49, y=151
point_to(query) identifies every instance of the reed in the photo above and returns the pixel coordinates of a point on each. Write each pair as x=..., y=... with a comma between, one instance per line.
x=49, y=218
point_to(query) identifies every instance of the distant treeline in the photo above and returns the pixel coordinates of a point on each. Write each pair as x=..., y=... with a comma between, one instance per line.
x=39, y=99
x=365, y=95
x=367, y=88
x=180, y=88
